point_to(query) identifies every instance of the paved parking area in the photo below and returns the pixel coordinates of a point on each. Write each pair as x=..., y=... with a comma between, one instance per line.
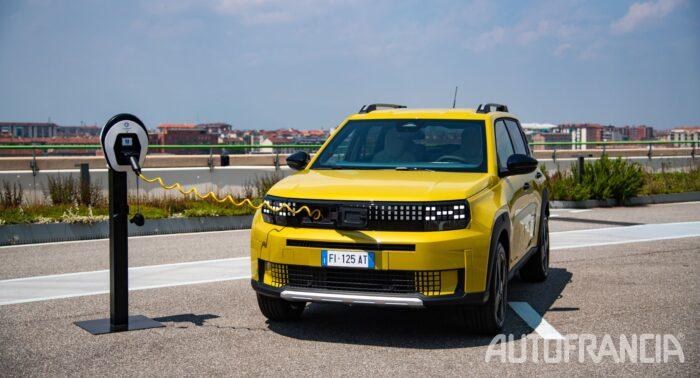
x=626, y=288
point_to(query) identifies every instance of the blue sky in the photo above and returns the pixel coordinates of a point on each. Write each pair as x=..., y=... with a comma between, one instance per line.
x=309, y=63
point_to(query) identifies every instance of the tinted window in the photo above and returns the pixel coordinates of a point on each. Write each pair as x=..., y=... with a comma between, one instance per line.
x=431, y=144
x=504, y=147
x=516, y=136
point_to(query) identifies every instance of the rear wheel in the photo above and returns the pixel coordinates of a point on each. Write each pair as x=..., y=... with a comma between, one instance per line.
x=489, y=318
x=278, y=309
x=537, y=268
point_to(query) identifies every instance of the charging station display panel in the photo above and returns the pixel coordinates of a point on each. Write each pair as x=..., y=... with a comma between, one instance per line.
x=124, y=136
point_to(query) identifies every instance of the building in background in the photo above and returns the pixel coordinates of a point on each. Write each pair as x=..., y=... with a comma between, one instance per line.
x=219, y=129
x=549, y=138
x=182, y=133
x=78, y=131
x=28, y=129
x=683, y=134
x=611, y=133
x=582, y=132
x=637, y=133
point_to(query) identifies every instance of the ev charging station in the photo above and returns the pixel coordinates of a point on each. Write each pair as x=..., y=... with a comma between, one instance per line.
x=124, y=141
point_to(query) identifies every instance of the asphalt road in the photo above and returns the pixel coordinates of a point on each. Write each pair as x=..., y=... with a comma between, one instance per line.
x=216, y=329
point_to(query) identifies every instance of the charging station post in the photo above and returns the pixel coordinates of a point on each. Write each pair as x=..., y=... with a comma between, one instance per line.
x=124, y=141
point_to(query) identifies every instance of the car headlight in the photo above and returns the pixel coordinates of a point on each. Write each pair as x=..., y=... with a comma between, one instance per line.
x=269, y=213
x=380, y=216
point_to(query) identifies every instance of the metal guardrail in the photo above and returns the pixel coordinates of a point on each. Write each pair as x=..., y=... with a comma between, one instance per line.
x=314, y=146
x=163, y=146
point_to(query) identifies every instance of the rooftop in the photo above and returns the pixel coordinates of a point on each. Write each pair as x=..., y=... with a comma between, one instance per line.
x=35, y=124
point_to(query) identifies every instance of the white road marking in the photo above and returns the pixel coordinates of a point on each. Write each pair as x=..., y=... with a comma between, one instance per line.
x=30, y=289
x=130, y=237
x=535, y=321
x=624, y=234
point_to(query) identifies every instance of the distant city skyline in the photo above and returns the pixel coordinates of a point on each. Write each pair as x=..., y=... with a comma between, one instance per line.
x=263, y=64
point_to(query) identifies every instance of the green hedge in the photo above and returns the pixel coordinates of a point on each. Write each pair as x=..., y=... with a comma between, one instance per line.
x=617, y=179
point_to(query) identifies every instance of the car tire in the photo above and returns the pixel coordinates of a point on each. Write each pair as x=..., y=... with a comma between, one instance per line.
x=536, y=268
x=277, y=309
x=490, y=317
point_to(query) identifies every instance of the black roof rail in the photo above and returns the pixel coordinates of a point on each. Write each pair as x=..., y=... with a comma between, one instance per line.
x=373, y=107
x=486, y=108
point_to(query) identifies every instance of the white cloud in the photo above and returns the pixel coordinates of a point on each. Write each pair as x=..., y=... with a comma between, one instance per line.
x=249, y=11
x=488, y=39
x=641, y=13
x=562, y=48
x=272, y=11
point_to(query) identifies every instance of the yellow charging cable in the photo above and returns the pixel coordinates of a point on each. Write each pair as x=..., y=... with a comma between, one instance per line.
x=315, y=214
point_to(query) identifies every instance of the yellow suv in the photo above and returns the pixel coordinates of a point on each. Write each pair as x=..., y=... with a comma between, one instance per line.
x=406, y=208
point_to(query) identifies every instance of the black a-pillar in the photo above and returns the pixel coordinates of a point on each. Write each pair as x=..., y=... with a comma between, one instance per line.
x=119, y=319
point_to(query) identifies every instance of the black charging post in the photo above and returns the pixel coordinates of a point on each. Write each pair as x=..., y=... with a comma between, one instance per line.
x=123, y=137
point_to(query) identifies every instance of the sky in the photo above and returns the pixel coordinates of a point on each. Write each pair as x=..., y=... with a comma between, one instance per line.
x=308, y=63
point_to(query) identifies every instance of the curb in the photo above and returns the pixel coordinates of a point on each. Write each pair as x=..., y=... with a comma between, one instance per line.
x=635, y=201
x=15, y=234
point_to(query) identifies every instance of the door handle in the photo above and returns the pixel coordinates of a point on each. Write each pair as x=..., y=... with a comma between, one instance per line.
x=538, y=174
x=526, y=186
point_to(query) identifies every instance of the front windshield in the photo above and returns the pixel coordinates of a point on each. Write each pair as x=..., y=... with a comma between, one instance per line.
x=409, y=144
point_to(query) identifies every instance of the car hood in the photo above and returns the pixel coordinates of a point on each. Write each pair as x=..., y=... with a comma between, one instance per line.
x=380, y=185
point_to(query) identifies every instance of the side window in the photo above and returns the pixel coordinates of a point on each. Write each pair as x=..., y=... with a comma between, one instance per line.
x=504, y=148
x=517, y=137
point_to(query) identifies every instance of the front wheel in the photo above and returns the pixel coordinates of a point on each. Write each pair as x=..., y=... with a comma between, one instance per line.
x=277, y=309
x=489, y=318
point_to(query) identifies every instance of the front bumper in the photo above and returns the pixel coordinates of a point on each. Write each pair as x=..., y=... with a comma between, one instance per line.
x=464, y=251
x=294, y=294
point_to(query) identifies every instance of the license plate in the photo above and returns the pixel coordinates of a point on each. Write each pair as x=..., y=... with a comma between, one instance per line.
x=348, y=259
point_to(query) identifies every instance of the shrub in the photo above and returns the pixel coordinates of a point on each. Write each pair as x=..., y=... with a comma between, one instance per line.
x=67, y=190
x=62, y=190
x=263, y=183
x=564, y=186
x=603, y=178
x=90, y=194
x=12, y=196
x=618, y=179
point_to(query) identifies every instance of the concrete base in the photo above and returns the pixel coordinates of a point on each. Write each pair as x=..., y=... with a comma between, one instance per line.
x=636, y=201
x=54, y=232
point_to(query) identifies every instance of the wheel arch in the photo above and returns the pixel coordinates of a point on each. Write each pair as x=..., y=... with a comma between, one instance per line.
x=499, y=232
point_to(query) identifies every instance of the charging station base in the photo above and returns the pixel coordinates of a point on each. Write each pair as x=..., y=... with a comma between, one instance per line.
x=102, y=326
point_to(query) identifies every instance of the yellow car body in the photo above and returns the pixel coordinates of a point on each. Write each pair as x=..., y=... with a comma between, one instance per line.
x=462, y=258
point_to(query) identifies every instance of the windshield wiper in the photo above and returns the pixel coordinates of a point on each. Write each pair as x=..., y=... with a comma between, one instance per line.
x=413, y=169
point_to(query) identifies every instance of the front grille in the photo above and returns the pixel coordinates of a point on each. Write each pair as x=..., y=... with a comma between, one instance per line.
x=372, y=215
x=371, y=281
x=363, y=246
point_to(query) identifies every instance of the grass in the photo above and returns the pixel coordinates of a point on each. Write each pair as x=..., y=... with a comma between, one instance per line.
x=672, y=182
x=87, y=214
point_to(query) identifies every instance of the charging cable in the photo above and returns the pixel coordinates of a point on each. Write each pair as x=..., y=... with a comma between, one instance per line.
x=314, y=214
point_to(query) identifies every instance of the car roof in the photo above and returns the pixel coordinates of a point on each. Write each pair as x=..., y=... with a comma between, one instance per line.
x=429, y=113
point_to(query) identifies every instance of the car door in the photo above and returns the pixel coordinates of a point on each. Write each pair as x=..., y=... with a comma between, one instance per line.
x=513, y=192
x=530, y=195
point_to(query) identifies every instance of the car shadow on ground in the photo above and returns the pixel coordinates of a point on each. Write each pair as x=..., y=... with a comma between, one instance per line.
x=197, y=320
x=420, y=329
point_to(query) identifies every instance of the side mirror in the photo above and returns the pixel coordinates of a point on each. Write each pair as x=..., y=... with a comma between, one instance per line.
x=298, y=160
x=519, y=164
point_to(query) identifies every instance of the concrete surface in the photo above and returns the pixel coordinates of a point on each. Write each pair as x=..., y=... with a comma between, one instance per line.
x=45, y=287
x=216, y=328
